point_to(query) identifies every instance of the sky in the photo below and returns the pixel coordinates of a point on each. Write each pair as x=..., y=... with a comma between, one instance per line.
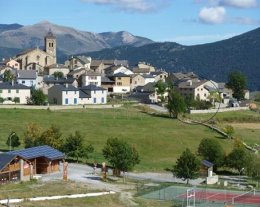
x=187, y=22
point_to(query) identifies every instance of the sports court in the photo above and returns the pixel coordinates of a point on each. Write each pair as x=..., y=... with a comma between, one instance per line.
x=206, y=197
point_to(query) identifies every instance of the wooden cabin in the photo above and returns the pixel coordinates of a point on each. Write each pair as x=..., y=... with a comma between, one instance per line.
x=21, y=165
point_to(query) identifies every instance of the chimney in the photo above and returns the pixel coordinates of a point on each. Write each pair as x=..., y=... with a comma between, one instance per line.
x=12, y=82
x=66, y=85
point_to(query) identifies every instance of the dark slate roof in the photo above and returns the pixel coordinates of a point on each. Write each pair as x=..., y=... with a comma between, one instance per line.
x=92, y=87
x=84, y=93
x=105, y=79
x=194, y=84
x=157, y=73
x=83, y=59
x=26, y=74
x=5, y=159
x=40, y=151
x=8, y=85
x=65, y=88
x=52, y=79
x=207, y=163
x=120, y=75
x=148, y=76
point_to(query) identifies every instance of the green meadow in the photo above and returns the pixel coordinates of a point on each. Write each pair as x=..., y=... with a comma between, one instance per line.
x=158, y=139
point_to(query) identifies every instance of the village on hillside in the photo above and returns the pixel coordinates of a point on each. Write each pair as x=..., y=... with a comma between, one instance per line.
x=47, y=156
x=82, y=80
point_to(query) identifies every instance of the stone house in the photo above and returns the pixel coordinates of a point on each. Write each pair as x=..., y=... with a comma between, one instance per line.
x=13, y=64
x=49, y=81
x=51, y=69
x=122, y=83
x=37, y=56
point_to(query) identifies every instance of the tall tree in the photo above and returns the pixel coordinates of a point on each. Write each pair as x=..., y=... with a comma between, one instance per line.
x=32, y=135
x=239, y=159
x=211, y=150
x=37, y=97
x=187, y=166
x=160, y=88
x=74, y=146
x=8, y=76
x=176, y=104
x=52, y=137
x=237, y=82
x=121, y=155
x=13, y=140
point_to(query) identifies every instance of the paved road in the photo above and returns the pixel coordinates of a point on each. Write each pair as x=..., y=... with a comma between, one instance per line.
x=84, y=174
x=157, y=108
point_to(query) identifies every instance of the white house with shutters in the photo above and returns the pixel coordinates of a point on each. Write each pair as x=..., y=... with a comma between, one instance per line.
x=92, y=94
x=63, y=95
x=11, y=93
x=91, y=78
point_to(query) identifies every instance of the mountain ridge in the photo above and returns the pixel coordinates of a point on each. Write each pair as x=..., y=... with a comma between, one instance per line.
x=211, y=60
x=69, y=40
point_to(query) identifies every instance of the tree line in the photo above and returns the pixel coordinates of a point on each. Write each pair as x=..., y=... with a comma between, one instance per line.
x=239, y=160
x=120, y=154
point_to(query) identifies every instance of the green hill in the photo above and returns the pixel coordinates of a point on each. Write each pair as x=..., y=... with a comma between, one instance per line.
x=212, y=61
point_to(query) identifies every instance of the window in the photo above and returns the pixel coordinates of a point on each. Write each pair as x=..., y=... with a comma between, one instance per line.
x=119, y=83
x=119, y=78
x=17, y=90
x=75, y=92
x=75, y=101
x=66, y=101
x=94, y=92
x=102, y=100
x=66, y=92
x=23, y=82
x=9, y=90
x=95, y=100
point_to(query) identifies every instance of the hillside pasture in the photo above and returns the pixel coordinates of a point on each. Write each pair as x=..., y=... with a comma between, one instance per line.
x=158, y=139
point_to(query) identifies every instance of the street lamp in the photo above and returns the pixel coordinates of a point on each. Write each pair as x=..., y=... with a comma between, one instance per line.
x=10, y=140
x=240, y=171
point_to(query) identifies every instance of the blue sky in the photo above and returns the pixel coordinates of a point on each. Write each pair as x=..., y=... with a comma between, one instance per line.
x=184, y=21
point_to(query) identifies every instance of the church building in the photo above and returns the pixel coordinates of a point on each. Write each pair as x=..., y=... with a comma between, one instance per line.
x=37, y=59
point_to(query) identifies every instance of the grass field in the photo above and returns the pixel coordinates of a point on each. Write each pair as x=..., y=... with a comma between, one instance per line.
x=245, y=123
x=38, y=188
x=159, y=140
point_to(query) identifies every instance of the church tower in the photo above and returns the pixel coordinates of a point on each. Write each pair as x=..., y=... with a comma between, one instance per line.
x=50, y=44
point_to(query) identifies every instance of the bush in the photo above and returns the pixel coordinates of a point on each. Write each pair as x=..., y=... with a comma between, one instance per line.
x=16, y=100
x=2, y=100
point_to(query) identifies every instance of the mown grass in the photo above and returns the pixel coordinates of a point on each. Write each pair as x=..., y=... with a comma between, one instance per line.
x=159, y=140
x=35, y=188
x=248, y=134
x=108, y=201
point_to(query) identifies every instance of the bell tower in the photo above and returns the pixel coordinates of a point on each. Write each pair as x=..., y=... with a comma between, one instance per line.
x=50, y=44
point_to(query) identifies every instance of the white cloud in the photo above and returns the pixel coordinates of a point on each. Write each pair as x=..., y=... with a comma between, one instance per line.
x=212, y=15
x=239, y=3
x=132, y=5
